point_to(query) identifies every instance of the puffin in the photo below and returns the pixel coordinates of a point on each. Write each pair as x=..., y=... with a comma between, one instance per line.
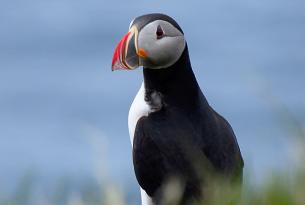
x=176, y=135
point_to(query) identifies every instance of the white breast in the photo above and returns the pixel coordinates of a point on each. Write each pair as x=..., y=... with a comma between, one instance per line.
x=138, y=109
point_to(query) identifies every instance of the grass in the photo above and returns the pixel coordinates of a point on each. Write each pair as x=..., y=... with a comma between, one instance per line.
x=278, y=189
x=285, y=188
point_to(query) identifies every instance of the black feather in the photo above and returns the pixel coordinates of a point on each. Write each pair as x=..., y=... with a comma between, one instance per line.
x=184, y=138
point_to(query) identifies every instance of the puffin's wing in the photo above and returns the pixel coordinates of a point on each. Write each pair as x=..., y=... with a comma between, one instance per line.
x=167, y=143
x=223, y=150
x=164, y=145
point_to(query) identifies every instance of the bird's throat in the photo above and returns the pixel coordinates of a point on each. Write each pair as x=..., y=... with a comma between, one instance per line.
x=176, y=84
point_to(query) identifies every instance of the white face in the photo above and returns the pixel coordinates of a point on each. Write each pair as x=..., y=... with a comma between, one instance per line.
x=163, y=43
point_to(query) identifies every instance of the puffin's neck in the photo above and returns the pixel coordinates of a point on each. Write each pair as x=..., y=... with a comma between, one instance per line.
x=177, y=83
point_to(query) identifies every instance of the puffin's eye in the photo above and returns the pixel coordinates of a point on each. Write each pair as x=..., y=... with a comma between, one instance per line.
x=159, y=32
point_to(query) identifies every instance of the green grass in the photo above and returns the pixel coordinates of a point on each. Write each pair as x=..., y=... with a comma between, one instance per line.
x=279, y=189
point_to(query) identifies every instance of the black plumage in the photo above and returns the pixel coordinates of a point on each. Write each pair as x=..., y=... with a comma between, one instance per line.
x=184, y=137
x=143, y=20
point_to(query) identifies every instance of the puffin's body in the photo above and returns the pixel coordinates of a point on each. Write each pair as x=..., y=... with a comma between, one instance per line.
x=173, y=130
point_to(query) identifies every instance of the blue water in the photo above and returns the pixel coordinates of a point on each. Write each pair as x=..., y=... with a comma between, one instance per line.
x=63, y=112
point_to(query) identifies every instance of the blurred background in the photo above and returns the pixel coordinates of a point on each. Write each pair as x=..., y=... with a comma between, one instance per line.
x=63, y=113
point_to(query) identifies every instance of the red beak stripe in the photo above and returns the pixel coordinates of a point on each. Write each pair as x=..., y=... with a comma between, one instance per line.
x=118, y=60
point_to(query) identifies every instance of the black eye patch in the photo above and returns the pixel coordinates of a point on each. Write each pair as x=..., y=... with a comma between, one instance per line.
x=159, y=32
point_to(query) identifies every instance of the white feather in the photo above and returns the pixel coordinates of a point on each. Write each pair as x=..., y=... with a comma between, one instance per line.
x=138, y=109
x=146, y=200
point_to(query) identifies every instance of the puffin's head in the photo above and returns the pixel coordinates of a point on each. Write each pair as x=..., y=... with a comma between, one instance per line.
x=153, y=41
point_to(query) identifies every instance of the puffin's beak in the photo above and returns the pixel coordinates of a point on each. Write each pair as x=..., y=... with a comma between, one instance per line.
x=126, y=55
